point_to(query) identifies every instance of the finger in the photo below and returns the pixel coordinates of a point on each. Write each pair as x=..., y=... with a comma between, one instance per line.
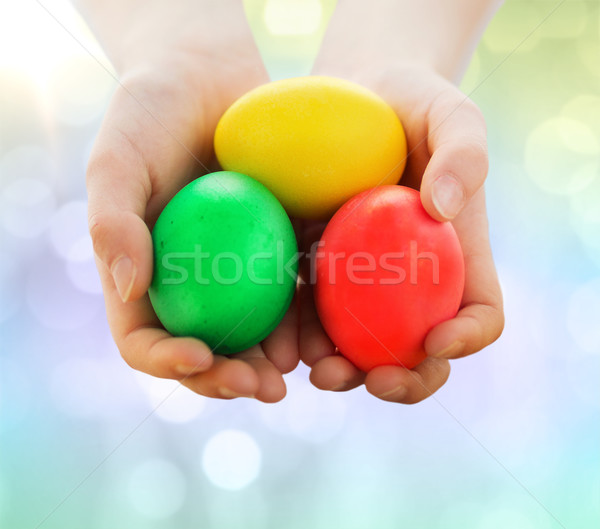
x=336, y=373
x=480, y=321
x=246, y=374
x=313, y=342
x=144, y=344
x=271, y=385
x=281, y=346
x=118, y=191
x=154, y=351
x=475, y=327
x=408, y=386
x=228, y=378
x=459, y=160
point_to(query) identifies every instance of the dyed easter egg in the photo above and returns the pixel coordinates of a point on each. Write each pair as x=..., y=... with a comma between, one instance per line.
x=225, y=262
x=313, y=141
x=386, y=274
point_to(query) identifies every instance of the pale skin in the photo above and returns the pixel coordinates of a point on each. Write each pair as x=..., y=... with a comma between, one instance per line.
x=180, y=66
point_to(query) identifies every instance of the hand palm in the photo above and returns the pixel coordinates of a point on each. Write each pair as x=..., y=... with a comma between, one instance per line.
x=156, y=137
x=445, y=134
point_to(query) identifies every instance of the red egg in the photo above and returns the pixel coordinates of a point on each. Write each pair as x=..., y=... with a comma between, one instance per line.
x=386, y=274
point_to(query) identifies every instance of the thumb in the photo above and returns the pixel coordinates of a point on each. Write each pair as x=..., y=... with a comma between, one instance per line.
x=118, y=191
x=459, y=161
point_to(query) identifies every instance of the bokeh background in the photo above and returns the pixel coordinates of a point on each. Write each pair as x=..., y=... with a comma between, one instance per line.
x=511, y=441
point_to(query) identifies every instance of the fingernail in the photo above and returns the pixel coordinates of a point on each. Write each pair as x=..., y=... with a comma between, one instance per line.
x=448, y=196
x=452, y=350
x=123, y=273
x=226, y=393
x=338, y=387
x=398, y=392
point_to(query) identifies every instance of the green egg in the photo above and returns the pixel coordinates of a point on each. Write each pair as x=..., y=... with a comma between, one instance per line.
x=225, y=262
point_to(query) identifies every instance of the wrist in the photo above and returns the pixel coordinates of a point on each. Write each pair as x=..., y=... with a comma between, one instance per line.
x=433, y=34
x=135, y=33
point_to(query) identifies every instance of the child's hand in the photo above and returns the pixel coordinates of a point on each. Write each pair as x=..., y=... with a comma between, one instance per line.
x=180, y=67
x=448, y=162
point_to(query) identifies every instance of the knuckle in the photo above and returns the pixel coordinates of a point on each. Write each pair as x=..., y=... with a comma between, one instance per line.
x=490, y=325
x=471, y=148
x=96, y=226
x=476, y=147
x=99, y=227
x=476, y=151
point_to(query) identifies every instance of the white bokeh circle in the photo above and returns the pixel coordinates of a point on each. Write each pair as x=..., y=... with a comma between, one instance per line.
x=67, y=227
x=562, y=156
x=71, y=240
x=26, y=206
x=231, y=459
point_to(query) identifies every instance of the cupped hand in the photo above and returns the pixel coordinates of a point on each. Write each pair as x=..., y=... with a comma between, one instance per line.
x=180, y=68
x=447, y=160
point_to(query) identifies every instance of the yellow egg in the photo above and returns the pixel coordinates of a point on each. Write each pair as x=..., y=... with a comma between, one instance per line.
x=313, y=141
